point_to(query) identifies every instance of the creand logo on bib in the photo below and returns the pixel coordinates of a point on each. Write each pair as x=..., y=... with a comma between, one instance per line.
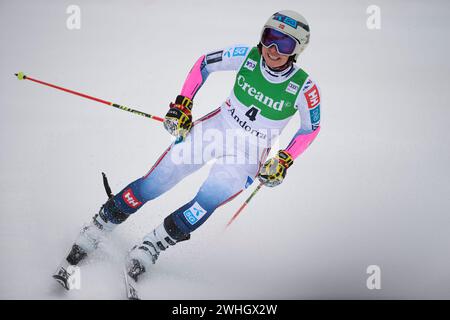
x=258, y=95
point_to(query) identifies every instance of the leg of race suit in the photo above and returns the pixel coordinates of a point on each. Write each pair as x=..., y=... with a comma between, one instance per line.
x=177, y=162
x=225, y=181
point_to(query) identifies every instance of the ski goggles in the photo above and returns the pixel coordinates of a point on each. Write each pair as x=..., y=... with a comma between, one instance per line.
x=285, y=44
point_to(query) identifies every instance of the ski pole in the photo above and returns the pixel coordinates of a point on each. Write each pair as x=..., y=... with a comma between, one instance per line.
x=244, y=204
x=22, y=76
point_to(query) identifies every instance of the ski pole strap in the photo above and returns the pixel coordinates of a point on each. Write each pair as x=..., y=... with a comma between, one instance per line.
x=106, y=185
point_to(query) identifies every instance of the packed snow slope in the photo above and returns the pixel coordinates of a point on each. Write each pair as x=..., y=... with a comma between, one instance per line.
x=373, y=189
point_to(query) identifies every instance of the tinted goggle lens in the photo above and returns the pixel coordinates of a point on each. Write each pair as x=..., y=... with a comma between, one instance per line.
x=284, y=43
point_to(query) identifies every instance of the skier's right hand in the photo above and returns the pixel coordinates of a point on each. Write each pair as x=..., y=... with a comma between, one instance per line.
x=178, y=120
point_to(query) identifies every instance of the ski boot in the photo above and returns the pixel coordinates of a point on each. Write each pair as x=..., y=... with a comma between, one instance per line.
x=90, y=236
x=143, y=255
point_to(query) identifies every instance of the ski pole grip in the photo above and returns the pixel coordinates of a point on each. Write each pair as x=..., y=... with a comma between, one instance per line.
x=106, y=185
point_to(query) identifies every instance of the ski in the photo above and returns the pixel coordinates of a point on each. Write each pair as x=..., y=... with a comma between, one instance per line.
x=131, y=291
x=67, y=275
x=67, y=272
x=62, y=276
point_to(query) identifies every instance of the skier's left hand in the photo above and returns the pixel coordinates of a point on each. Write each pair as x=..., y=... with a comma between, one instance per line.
x=274, y=170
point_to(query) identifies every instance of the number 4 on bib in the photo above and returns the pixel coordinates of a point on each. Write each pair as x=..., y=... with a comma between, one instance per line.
x=251, y=113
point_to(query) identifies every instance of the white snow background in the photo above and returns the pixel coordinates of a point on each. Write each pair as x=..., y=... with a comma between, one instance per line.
x=373, y=189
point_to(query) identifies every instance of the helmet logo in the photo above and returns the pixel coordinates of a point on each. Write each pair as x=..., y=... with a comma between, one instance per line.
x=289, y=21
x=281, y=26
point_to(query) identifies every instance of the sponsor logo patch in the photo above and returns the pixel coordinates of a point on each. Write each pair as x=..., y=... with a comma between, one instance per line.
x=214, y=57
x=312, y=97
x=250, y=64
x=235, y=52
x=259, y=96
x=307, y=85
x=194, y=213
x=246, y=125
x=249, y=182
x=315, y=115
x=130, y=199
x=240, y=51
x=289, y=21
x=227, y=53
x=292, y=88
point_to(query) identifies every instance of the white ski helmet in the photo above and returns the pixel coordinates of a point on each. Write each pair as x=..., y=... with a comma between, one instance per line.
x=293, y=24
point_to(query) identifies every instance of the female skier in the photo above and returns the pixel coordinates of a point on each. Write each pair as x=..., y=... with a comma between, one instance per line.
x=269, y=89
